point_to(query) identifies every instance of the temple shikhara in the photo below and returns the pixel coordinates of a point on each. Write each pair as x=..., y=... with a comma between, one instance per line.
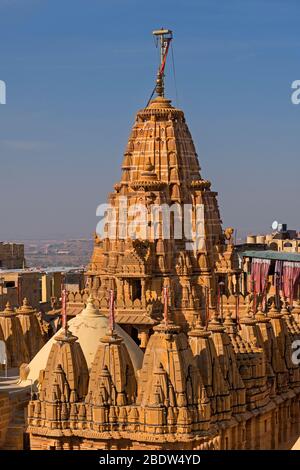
x=170, y=348
x=161, y=169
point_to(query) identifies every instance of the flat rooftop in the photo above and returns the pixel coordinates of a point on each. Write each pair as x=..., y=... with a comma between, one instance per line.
x=52, y=269
x=272, y=254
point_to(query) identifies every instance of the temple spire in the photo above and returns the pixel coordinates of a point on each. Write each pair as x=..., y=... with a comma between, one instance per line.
x=163, y=38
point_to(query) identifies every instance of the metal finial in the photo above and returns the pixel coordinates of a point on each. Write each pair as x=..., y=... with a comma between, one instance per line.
x=164, y=37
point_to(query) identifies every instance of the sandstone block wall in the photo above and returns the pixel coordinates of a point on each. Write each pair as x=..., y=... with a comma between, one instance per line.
x=4, y=417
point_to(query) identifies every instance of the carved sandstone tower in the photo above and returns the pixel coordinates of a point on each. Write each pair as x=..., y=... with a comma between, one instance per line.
x=160, y=172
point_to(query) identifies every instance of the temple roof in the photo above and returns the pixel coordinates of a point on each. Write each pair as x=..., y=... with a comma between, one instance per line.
x=89, y=326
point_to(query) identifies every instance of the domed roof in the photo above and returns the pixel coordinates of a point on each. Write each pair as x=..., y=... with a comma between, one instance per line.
x=89, y=326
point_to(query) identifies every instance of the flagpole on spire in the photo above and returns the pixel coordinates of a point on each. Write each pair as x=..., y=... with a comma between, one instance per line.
x=163, y=38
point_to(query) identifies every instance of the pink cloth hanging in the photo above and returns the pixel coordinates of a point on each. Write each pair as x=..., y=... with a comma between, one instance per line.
x=259, y=271
x=265, y=266
x=255, y=277
x=290, y=279
x=279, y=275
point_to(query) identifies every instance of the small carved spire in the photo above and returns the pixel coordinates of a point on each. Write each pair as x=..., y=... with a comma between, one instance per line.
x=26, y=308
x=215, y=323
x=230, y=324
x=8, y=309
x=274, y=312
x=90, y=309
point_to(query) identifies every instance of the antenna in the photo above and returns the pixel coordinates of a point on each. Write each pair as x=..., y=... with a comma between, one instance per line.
x=275, y=225
x=164, y=38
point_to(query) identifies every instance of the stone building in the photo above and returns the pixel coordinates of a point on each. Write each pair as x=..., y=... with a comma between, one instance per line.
x=16, y=284
x=41, y=287
x=11, y=256
x=280, y=239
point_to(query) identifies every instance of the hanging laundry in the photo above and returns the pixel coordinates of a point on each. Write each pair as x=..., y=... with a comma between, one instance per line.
x=259, y=272
x=290, y=279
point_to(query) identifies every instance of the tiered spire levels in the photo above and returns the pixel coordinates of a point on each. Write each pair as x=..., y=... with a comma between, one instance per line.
x=160, y=170
x=161, y=143
x=225, y=383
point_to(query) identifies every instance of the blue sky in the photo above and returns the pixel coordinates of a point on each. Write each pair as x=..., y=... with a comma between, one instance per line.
x=77, y=71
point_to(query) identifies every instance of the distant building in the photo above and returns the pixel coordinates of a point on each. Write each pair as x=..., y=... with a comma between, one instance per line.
x=271, y=264
x=42, y=287
x=11, y=256
x=16, y=284
x=281, y=239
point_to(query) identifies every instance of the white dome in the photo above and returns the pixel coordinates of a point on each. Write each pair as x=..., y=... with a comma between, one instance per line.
x=89, y=326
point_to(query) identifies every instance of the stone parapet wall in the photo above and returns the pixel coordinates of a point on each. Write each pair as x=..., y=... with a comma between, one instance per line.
x=4, y=417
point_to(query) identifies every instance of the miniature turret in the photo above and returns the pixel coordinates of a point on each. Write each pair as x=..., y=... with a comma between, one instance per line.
x=16, y=348
x=228, y=364
x=208, y=363
x=171, y=394
x=63, y=386
x=112, y=386
x=251, y=360
x=31, y=328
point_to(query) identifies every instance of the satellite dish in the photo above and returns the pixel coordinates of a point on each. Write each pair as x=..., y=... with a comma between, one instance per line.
x=275, y=225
